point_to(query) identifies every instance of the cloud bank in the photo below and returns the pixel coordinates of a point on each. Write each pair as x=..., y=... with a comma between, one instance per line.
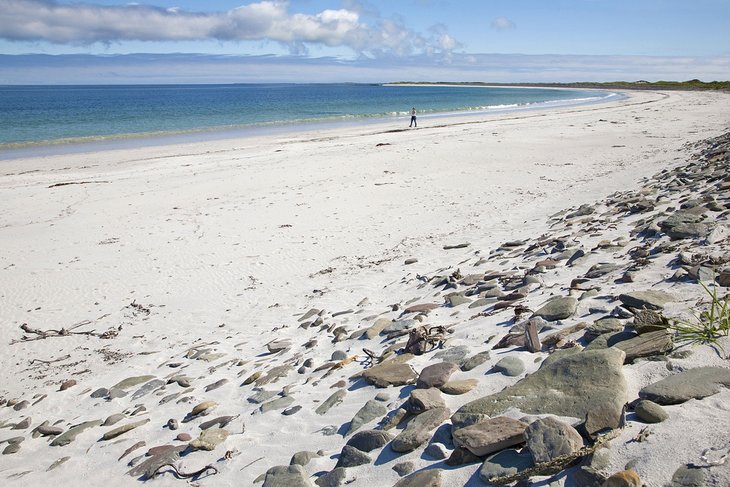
x=200, y=68
x=83, y=23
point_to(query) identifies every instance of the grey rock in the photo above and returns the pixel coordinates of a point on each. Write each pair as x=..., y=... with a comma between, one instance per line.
x=331, y=402
x=547, y=438
x=570, y=385
x=150, y=386
x=422, y=400
x=209, y=439
x=490, y=435
x=48, y=430
x=510, y=366
x=424, y=478
x=475, y=361
x=418, y=430
x=273, y=375
x=113, y=419
x=690, y=384
x=687, y=476
x=276, y=404
x=369, y=440
x=352, y=457
x=455, y=300
x=601, y=269
x=404, y=468
x=22, y=424
x=436, y=375
x=399, y=325
x=559, y=308
x=287, y=476
x=131, y=382
x=436, y=451
x=505, y=462
x=303, y=458
x=262, y=396
x=99, y=393
x=216, y=385
x=73, y=432
x=646, y=320
x=650, y=412
x=646, y=345
x=334, y=478
x=588, y=477
x=220, y=422
x=110, y=435
x=452, y=354
x=390, y=373
x=458, y=387
x=603, y=326
x=292, y=410
x=370, y=411
x=646, y=299
x=11, y=448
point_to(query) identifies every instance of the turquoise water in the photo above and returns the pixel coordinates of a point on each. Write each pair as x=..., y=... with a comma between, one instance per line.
x=52, y=115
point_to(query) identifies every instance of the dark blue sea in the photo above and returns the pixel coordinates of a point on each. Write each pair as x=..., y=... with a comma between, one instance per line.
x=60, y=115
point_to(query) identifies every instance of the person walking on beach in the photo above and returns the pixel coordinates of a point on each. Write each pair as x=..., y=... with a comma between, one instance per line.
x=413, y=118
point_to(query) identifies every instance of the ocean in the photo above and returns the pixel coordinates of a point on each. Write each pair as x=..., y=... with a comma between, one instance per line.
x=35, y=116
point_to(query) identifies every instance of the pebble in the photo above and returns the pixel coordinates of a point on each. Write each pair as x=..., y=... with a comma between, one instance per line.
x=650, y=412
x=67, y=384
x=510, y=366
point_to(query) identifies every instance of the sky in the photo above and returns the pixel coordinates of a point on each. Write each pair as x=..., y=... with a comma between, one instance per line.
x=185, y=41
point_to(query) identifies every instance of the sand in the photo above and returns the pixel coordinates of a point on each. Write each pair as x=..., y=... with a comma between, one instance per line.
x=170, y=247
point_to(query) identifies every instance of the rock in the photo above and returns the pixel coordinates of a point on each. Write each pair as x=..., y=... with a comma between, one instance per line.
x=109, y=435
x=602, y=417
x=458, y=387
x=424, y=478
x=292, y=410
x=203, y=406
x=400, y=325
x=215, y=385
x=646, y=299
x=390, y=373
x=626, y=478
x=417, y=432
x=276, y=404
x=475, y=361
x=331, y=402
x=510, y=366
x=411, y=260
x=456, y=299
x=603, y=326
x=403, y=468
x=147, y=468
x=646, y=320
x=588, y=477
x=454, y=355
x=220, y=422
x=436, y=375
x=352, y=457
x=48, y=430
x=11, y=448
x=650, y=412
x=73, y=432
x=129, y=383
x=148, y=387
x=377, y=327
x=688, y=476
x=646, y=345
x=278, y=345
x=23, y=424
x=67, y=384
x=287, y=476
x=273, y=375
x=461, y=456
x=334, y=478
x=99, y=393
x=252, y=378
x=183, y=437
x=422, y=400
x=690, y=384
x=559, y=308
x=209, y=439
x=570, y=385
x=369, y=440
x=601, y=269
x=173, y=424
x=262, y=396
x=547, y=438
x=436, y=451
x=490, y=436
x=370, y=411
x=503, y=463
x=303, y=458
x=113, y=419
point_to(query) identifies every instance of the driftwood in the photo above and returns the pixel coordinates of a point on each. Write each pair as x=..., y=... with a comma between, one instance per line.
x=49, y=361
x=76, y=182
x=555, y=465
x=64, y=332
x=183, y=475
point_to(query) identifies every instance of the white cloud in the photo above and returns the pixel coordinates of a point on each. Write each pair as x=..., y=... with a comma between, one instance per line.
x=502, y=23
x=84, y=23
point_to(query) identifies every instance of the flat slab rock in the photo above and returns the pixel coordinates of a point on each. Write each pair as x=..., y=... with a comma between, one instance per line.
x=418, y=430
x=646, y=299
x=490, y=436
x=690, y=384
x=424, y=478
x=559, y=308
x=390, y=373
x=287, y=476
x=572, y=385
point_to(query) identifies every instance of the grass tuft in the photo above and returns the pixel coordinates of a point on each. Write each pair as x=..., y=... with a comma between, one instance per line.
x=708, y=326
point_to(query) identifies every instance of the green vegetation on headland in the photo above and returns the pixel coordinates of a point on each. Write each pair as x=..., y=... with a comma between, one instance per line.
x=694, y=84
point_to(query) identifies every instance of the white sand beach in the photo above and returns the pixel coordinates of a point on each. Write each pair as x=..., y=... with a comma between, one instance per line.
x=138, y=256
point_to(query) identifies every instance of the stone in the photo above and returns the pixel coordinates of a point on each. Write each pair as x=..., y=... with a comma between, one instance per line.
x=303, y=458
x=216, y=385
x=22, y=424
x=688, y=476
x=273, y=375
x=48, y=430
x=113, y=419
x=650, y=412
x=625, y=478
x=417, y=432
x=603, y=326
x=370, y=411
x=292, y=410
x=646, y=345
x=646, y=320
x=569, y=385
x=491, y=435
x=261, y=396
x=422, y=400
x=510, y=366
x=99, y=393
x=278, y=345
x=456, y=299
x=390, y=373
x=67, y=384
x=475, y=361
x=458, y=387
x=646, y=299
x=331, y=402
x=352, y=457
x=690, y=384
x=461, y=456
x=436, y=375
x=11, y=448
x=377, y=327
x=70, y=435
x=404, y=468
x=503, y=463
x=424, y=478
x=436, y=451
x=220, y=422
x=130, y=382
x=183, y=437
x=148, y=387
x=547, y=438
x=203, y=406
x=276, y=404
x=369, y=440
x=209, y=439
x=399, y=325
x=588, y=477
x=559, y=308
x=287, y=476
x=109, y=435
x=601, y=269
x=147, y=468
x=452, y=354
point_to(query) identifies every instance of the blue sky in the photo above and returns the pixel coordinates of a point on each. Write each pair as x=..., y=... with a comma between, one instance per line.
x=100, y=41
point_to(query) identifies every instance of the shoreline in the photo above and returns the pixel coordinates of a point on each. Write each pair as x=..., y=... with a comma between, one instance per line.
x=189, y=262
